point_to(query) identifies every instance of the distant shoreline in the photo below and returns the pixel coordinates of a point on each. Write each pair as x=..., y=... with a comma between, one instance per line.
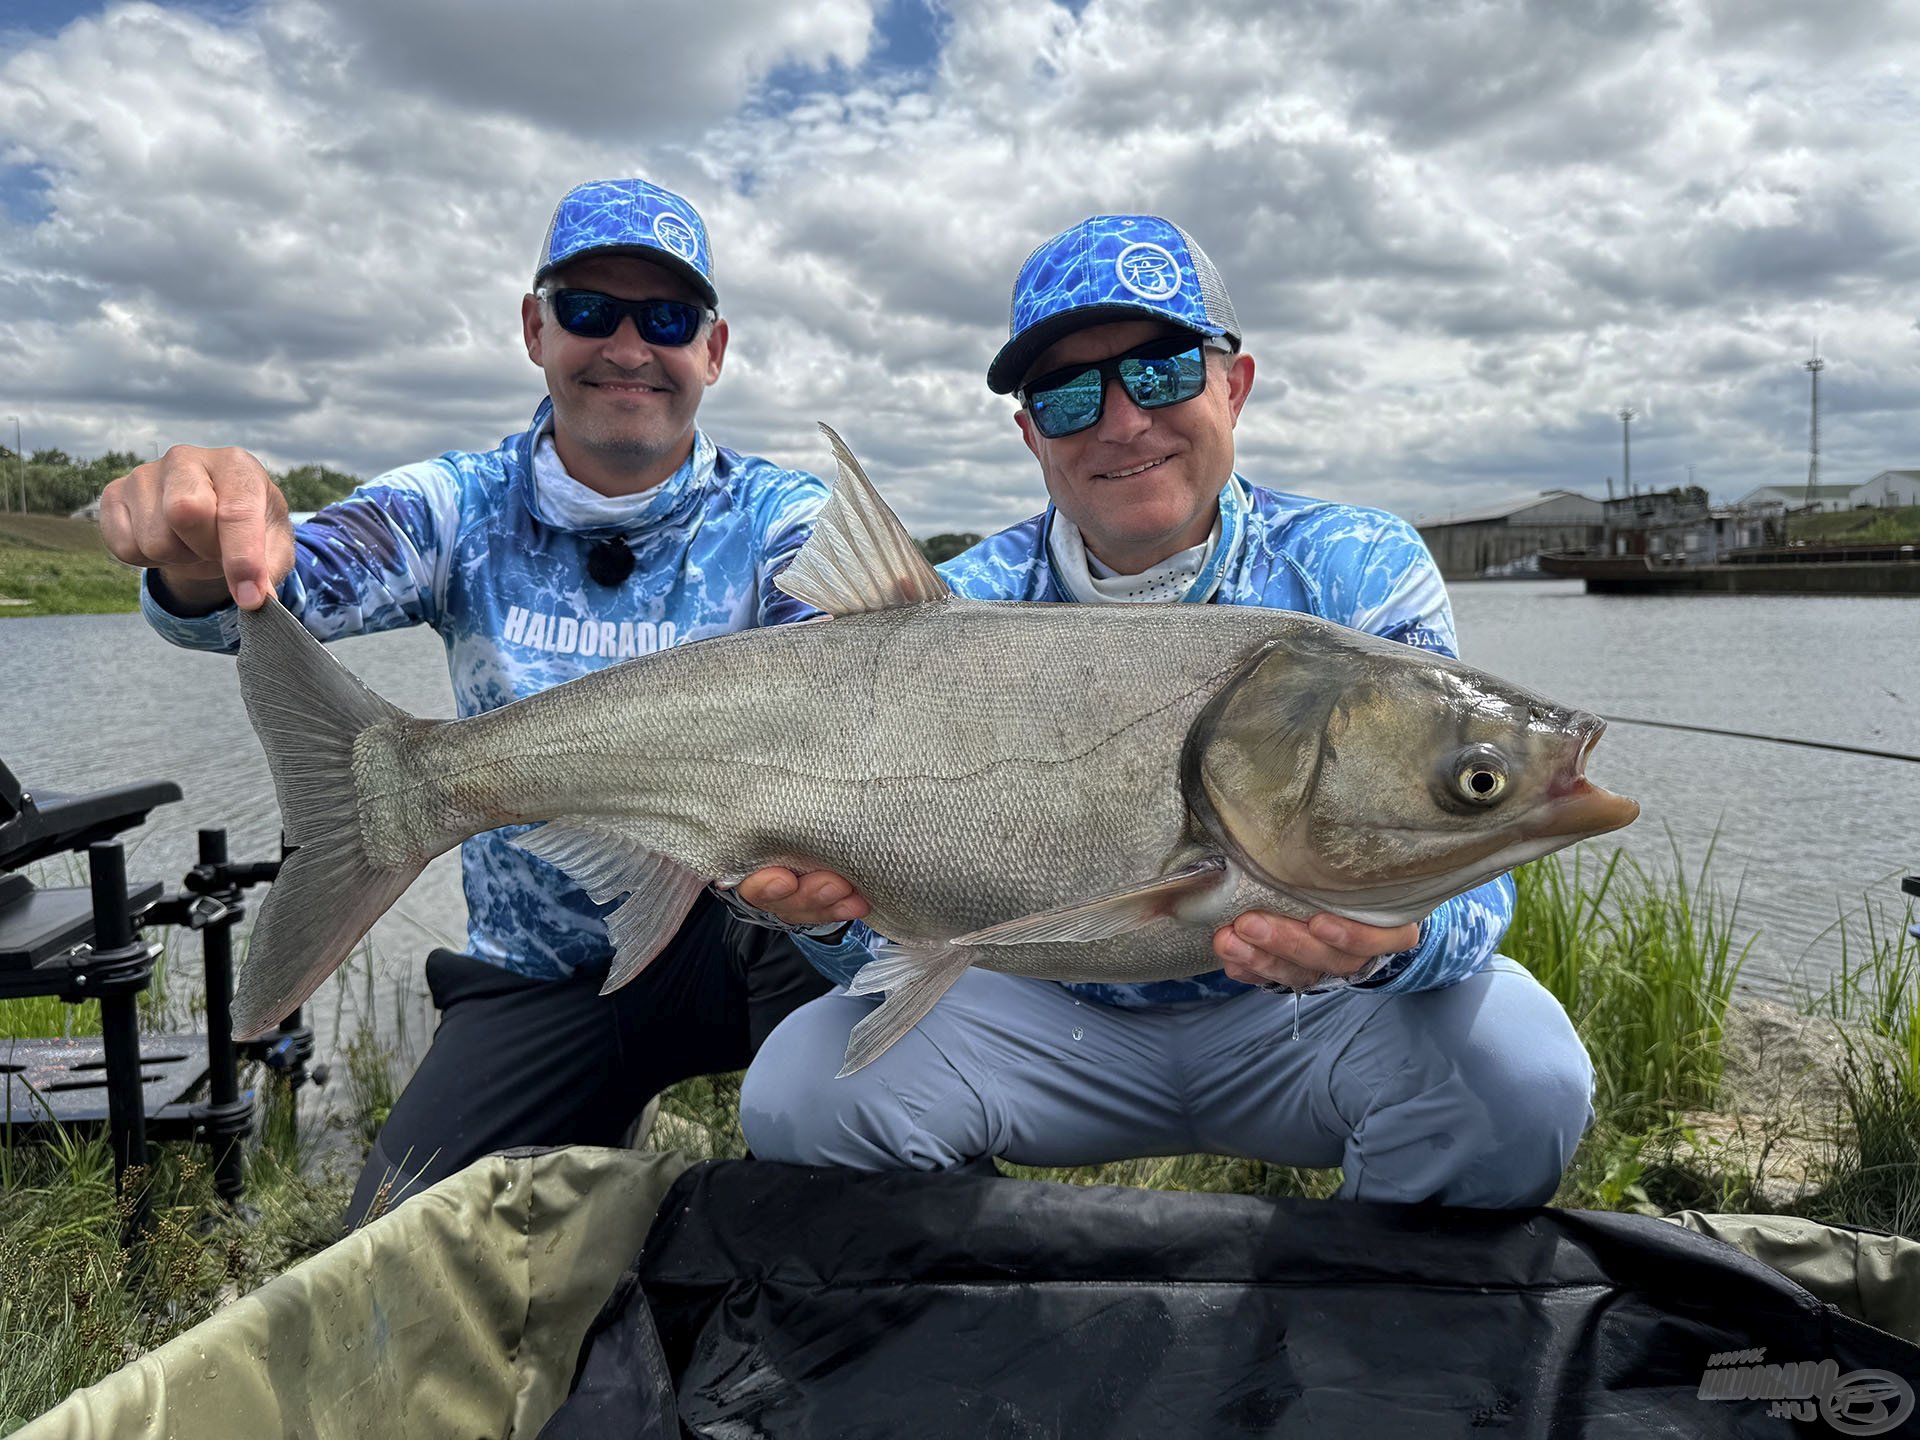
x=50, y=565
x=53, y=565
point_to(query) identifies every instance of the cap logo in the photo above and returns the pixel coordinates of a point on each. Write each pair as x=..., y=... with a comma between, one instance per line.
x=677, y=235
x=1148, y=270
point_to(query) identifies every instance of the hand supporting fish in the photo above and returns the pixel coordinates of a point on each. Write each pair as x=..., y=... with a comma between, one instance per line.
x=1065, y=791
x=1261, y=948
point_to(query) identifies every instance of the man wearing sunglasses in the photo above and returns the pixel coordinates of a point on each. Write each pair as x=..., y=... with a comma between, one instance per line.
x=612, y=526
x=1427, y=1067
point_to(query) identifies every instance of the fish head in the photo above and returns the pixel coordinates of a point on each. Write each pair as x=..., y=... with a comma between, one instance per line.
x=1375, y=779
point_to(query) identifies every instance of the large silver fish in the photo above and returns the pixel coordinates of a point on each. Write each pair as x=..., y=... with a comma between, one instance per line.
x=1070, y=791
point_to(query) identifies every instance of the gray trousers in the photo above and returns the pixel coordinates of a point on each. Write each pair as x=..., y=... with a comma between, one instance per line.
x=1475, y=1094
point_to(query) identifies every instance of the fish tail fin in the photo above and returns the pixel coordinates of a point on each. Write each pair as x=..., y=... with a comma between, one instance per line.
x=309, y=712
x=913, y=978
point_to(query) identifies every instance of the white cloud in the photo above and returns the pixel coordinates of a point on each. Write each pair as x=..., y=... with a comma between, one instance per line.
x=1459, y=236
x=602, y=67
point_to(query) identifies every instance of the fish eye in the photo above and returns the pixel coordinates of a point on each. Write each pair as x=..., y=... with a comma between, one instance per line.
x=1480, y=775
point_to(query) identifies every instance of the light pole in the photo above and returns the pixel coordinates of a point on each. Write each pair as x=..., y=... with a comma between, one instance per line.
x=19, y=463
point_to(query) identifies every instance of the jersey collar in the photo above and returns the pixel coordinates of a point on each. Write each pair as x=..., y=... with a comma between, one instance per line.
x=562, y=502
x=1234, y=504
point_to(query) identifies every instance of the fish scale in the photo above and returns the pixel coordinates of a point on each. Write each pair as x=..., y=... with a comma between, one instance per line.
x=964, y=815
x=1073, y=792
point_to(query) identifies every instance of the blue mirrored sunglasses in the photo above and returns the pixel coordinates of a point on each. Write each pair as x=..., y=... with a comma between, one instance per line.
x=1155, y=375
x=595, y=316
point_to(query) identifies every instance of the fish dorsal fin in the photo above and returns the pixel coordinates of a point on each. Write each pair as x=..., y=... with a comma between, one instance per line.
x=859, y=557
x=1105, y=916
x=606, y=862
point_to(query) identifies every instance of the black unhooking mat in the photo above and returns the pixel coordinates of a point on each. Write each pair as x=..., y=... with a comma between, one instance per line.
x=781, y=1301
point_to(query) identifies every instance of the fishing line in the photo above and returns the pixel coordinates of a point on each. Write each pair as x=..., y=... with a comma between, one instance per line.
x=1769, y=739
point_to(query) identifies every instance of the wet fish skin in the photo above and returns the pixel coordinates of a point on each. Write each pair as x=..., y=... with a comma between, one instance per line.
x=969, y=766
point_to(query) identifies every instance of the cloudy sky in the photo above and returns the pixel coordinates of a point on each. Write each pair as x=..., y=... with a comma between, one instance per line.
x=1461, y=233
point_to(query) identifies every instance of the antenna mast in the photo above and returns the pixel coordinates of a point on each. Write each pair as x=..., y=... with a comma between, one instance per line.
x=1813, y=368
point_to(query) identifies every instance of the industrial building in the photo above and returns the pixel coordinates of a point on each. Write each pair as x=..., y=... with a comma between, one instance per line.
x=1889, y=487
x=1508, y=538
x=1676, y=524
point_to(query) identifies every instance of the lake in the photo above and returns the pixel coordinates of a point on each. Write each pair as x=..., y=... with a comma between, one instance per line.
x=1804, y=835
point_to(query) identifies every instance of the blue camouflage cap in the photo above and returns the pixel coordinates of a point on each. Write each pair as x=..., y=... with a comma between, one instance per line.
x=630, y=217
x=1111, y=267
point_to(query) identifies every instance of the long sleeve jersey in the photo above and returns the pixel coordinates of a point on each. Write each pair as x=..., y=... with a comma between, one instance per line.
x=490, y=548
x=1363, y=568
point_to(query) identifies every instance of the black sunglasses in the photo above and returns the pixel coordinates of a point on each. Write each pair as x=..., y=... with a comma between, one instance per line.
x=593, y=316
x=1155, y=375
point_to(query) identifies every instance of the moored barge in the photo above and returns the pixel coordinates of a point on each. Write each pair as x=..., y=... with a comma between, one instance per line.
x=1877, y=568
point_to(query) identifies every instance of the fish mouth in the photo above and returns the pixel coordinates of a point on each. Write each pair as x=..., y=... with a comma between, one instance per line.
x=1574, y=805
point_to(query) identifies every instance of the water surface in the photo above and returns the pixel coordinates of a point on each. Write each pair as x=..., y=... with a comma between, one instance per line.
x=1804, y=835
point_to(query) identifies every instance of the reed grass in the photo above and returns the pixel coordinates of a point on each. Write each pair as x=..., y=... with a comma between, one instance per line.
x=1877, y=985
x=1873, y=1179
x=1645, y=963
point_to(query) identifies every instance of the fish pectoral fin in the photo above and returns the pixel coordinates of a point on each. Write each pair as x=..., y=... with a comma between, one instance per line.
x=607, y=862
x=859, y=557
x=913, y=978
x=1105, y=916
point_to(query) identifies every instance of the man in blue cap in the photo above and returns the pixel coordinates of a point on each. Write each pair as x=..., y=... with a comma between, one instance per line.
x=1427, y=1067
x=612, y=526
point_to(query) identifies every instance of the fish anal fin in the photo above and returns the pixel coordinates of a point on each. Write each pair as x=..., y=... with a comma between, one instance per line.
x=647, y=919
x=1105, y=916
x=859, y=557
x=607, y=862
x=914, y=978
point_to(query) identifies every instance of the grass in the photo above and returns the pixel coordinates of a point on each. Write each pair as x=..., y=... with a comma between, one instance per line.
x=1645, y=964
x=1874, y=1179
x=1644, y=960
x=58, y=566
x=1897, y=522
x=1877, y=987
x=48, y=1016
x=78, y=1304
x=50, y=565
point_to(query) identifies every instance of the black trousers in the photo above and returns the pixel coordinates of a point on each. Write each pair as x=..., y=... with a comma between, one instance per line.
x=518, y=1061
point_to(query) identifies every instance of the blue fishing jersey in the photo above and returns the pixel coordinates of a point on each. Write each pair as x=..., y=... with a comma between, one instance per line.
x=490, y=548
x=1359, y=567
